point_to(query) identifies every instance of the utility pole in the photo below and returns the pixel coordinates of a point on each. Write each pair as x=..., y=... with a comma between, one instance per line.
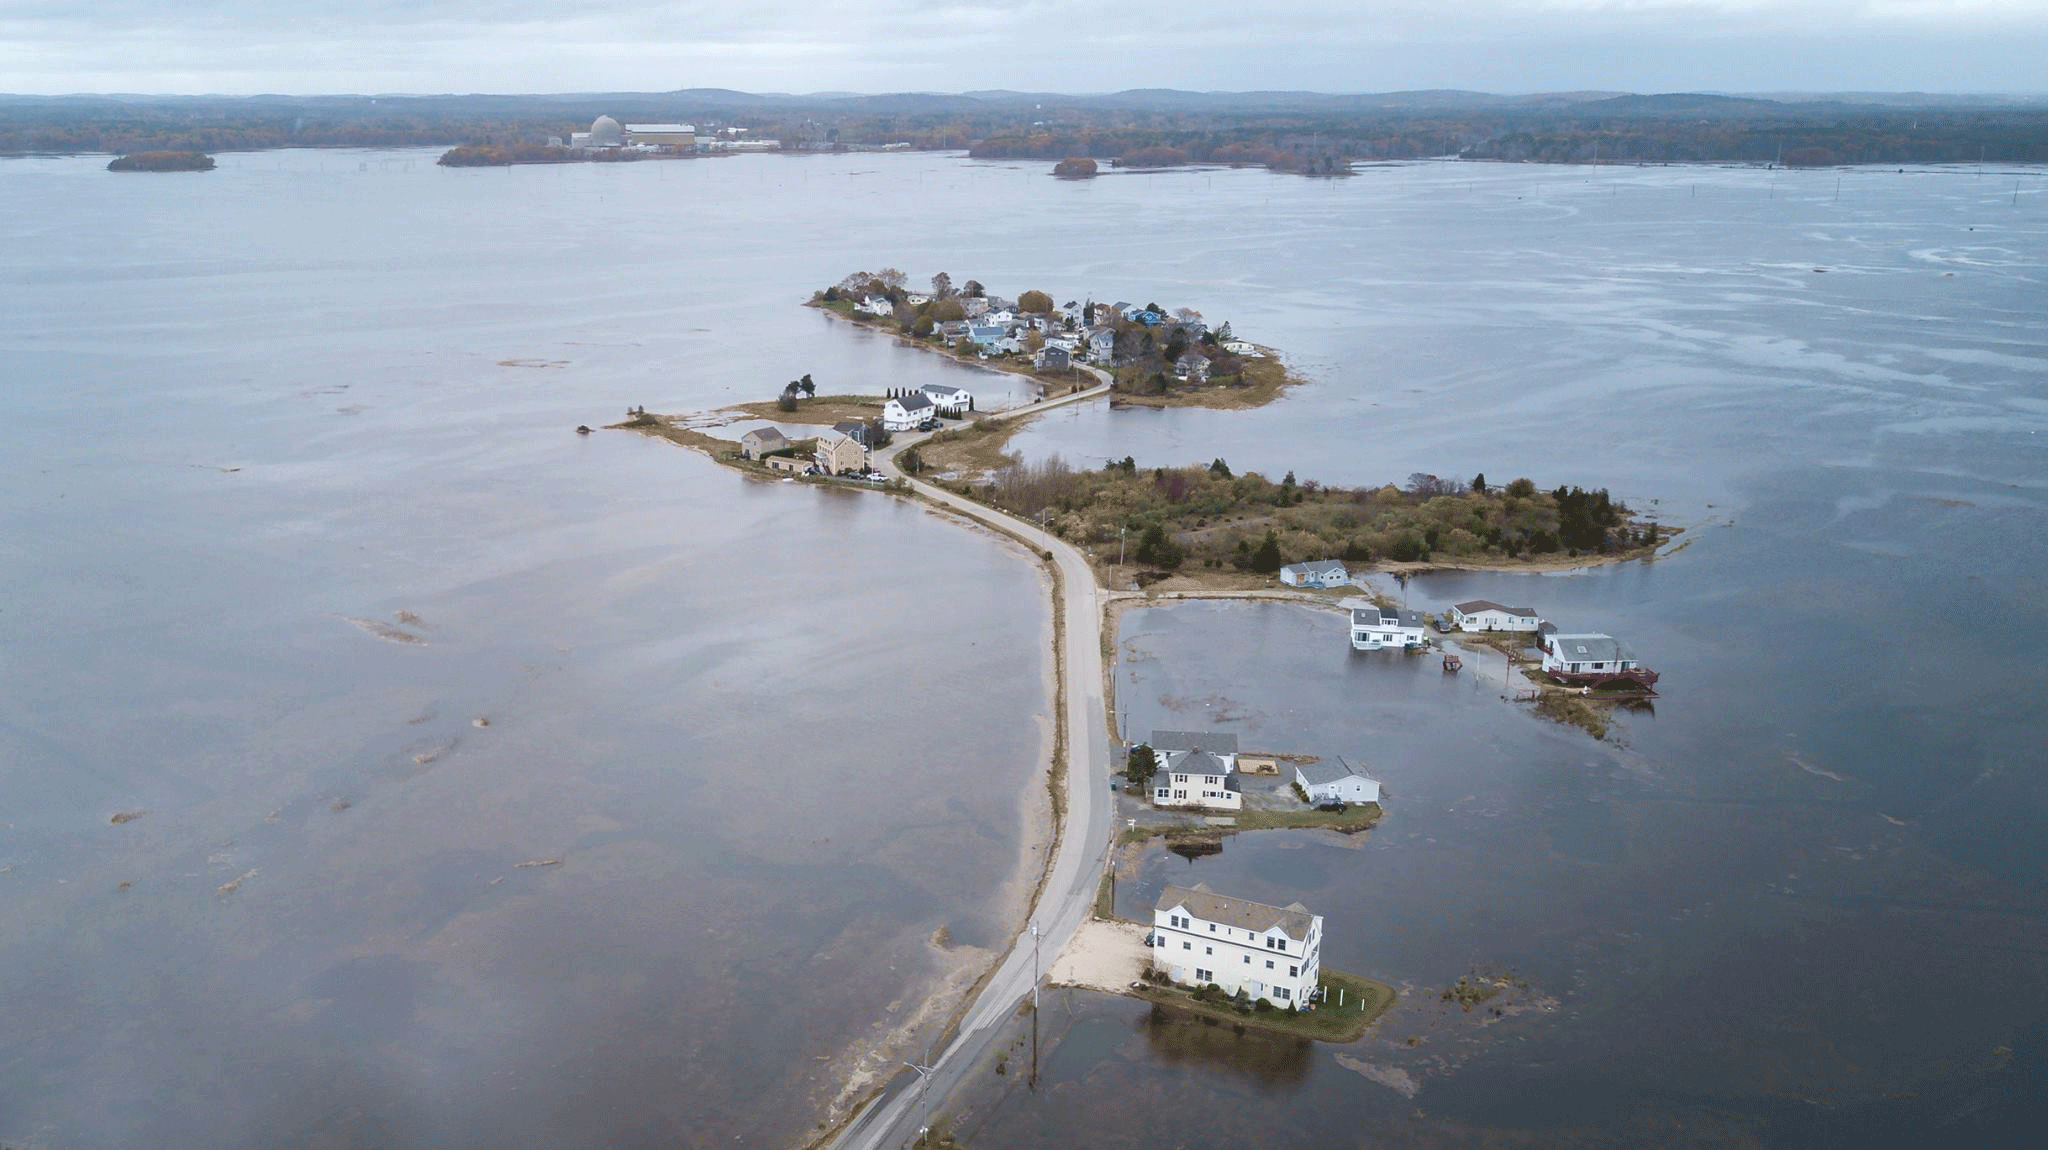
x=1034, y=1006
x=924, y=1102
x=1120, y=544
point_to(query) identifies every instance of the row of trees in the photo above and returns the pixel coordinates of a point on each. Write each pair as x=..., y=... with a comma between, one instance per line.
x=1166, y=518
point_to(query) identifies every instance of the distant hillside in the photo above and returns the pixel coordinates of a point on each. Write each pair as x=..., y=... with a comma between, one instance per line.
x=1311, y=132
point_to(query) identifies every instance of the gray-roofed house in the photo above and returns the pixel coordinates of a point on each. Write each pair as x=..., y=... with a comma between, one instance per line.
x=1195, y=779
x=905, y=412
x=853, y=429
x=762, y=440
x=1592, y=659
x=1217, y=742
x=1336, y=781
x=1316, y=573
x=839, y=455
x=1052, y=357
x=1374, y=627
x=1487, y=615
x=1201, y=938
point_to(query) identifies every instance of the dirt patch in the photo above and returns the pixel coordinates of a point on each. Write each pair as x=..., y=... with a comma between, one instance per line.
x=126, y=817
x=1102, y=955
x=234, y=884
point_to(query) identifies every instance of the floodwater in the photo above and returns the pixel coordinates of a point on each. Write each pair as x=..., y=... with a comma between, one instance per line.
x=289, y=501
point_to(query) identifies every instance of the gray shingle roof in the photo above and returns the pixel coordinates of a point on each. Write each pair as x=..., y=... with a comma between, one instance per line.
x=1217, y=742
x=1477, y=605
x=1328, y=771
x=1203, y=903
x=1317, y=567
x=915, y=401
x=1196, y=763
x=1590, y=648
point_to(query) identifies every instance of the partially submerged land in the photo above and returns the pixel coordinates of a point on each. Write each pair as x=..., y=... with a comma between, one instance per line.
x=1150, y=355
x=161, y=162
x=1204, y=518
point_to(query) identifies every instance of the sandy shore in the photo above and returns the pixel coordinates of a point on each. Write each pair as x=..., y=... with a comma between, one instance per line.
x=1104, y=955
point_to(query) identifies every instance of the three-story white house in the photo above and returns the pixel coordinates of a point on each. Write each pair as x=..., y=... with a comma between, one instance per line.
x=1200, y=937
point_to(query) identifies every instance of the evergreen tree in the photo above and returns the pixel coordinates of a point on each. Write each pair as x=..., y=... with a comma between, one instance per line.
x=1266, y=560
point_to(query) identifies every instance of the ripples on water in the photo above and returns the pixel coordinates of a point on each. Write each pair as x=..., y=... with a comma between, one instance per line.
x=776, y=738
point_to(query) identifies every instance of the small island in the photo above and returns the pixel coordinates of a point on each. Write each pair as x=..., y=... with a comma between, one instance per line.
x=1152, y=356
x=1075, y=168
x=162, y=162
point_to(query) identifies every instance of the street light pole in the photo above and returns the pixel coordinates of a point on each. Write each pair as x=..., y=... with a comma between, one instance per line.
x=1034, y=1007
x=924, y=1080
x=1120, y=544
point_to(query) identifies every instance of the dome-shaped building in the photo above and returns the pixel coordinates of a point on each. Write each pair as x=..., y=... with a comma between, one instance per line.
x=606, y=133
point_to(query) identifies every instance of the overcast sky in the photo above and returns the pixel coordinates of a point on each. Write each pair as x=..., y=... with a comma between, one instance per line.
x=316, y=46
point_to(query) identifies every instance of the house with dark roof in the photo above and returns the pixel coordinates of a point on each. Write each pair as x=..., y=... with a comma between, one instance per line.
x=1202, y=938
x=905, y=412
x=1335, y=781
x=1195, y=779
x=853, y=429
x=948, y=399
x=1487, y=615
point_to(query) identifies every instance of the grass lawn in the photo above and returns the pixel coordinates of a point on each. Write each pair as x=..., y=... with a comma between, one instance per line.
x=821, y=411
x=1359, y=817
x=1364, y=1002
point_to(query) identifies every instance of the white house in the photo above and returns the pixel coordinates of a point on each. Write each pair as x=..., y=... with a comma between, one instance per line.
x=1240, y=347
x=1320, y=573
x=1336, y=781
x=1200, y=937
x=1195, y=779
x=1374, y=627
x=905, y=412
x=1587, y=654
x=1102, y=344
x=949, y=400
x=878, y=305
x=1487, y=615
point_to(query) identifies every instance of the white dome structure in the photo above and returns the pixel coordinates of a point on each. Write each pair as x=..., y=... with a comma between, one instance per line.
x=606, y=133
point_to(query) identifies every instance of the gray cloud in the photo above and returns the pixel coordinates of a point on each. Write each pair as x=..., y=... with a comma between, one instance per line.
x=1064, y=45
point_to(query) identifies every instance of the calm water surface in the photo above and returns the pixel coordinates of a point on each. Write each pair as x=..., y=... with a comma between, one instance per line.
x=254, y=415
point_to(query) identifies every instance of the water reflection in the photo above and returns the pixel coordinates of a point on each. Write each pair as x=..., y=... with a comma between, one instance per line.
x=1181, y=1038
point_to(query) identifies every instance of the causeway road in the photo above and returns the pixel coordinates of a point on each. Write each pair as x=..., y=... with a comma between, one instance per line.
x=894, y=1120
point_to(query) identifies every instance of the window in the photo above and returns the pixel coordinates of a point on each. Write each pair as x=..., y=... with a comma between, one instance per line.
x=1187, y=946
x=1294, y=972
x=1281, y=993
x=1208, y=950
x=1247, y=960
x=1269, y=964
x=1269, y=944
x=1212, y=928
x=1204, y=975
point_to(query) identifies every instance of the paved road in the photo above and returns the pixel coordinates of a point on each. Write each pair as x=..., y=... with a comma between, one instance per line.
x=1081, y=853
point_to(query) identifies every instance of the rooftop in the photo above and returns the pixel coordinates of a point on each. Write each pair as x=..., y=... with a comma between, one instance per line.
x=1213, y=741
x=1329, y=771
x=1317, y=566
x=1201, y=902
x=1473, y=607
x=1590, y=648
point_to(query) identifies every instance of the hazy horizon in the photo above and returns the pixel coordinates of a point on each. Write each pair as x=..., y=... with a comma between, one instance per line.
x=515, y=47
